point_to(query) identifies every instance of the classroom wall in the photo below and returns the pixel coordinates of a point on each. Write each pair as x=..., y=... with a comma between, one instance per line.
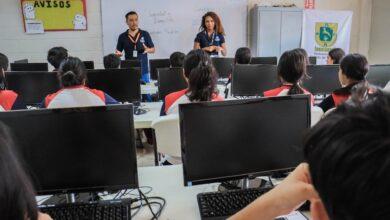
x=88, y=44
x=380, y=32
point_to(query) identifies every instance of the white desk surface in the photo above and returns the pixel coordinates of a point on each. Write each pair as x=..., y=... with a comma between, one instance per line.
x=145, y=121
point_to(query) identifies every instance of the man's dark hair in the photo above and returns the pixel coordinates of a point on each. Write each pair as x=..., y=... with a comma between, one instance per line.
x=355, y=66
x=4, y=62
x=337, y=55
x=130, y=13
x=56, y=55
x=111, y=61
x=177, y=59
x=243, y=56
x=349, y=158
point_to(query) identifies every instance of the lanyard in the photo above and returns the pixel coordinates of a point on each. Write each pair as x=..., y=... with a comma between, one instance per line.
x=212, y=38
x=136, y=39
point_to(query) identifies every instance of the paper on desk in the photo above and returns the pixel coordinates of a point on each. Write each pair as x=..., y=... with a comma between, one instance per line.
x=34, y=27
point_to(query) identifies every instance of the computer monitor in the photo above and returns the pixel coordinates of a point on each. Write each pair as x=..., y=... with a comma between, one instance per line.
x=33, y=87
x=254, y=80
x=126, y=64
x=29, y=67
x=156, y=64
x=236, y=139
x=223, y=66
x=21, y=61
x=264, y=60
x=170, y=80
x=77, y=149
x=89, y=65
x=313, y=60
x=322, y=79
x=122, y=84
x=379, y=75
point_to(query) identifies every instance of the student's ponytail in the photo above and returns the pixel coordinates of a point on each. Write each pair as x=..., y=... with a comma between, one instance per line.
x=202, y=82
x=72, y=72
x=295, y=90
x=291, y=70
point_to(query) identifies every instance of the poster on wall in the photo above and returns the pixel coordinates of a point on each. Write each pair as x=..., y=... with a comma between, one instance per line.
x=54, y=15
x=325, y=30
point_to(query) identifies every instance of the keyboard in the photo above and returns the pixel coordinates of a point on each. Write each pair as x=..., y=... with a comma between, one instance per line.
x=221, y=205
x=113, y=210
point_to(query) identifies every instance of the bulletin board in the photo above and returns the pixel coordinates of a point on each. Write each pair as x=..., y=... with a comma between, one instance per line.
x=54, y=15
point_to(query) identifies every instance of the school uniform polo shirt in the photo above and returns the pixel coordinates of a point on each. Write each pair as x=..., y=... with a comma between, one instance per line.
x=9, y=100
x=283, y=91
x=214, y=40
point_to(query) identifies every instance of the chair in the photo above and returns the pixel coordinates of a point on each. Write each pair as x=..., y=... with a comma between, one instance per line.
x=155, y=64
x=170, y=80
x=316, y=115
x=167, y=137
x=89, y=65
x=223, y=66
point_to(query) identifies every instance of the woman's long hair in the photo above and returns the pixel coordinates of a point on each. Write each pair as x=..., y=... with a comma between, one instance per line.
x=217, y=20
x=291, y=69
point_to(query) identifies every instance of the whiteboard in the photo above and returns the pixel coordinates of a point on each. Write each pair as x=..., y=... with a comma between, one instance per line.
x=173, y=24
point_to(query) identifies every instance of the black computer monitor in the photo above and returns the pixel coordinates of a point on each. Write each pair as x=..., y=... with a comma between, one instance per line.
x=77, y=149
x=313, y=60
x=254, y=80
x=322, y=79
x=379, y=75
x=242, y=138
x=223, y=66
x=122, y=84
x=156, y=64
x=33, y=86
x=126, y=64
x=29, y=67
x=170, y=80
x=21, y=61
x=89, y=65
x=264, y=60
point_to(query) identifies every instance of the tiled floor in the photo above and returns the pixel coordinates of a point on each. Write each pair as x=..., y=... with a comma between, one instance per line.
x=145, y=156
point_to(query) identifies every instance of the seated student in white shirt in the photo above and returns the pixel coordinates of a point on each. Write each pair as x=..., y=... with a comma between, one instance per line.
x=73, y=76
x=202, y=83
x=348, y=170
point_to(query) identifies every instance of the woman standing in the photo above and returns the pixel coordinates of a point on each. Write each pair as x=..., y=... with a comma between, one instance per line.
x=211, y=36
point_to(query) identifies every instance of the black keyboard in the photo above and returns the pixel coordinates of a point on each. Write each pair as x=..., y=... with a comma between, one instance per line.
x=113, y=210
x=221, y=205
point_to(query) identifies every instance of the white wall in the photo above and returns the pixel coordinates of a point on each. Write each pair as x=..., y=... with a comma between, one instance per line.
x=88, y=45
x=380, y=32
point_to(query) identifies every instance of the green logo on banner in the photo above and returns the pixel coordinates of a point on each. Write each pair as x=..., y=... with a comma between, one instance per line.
x=326, y=34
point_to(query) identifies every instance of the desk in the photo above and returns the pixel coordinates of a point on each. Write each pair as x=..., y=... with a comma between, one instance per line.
x=145, y=121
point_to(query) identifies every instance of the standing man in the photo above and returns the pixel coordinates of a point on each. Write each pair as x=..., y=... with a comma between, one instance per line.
x=136, y=43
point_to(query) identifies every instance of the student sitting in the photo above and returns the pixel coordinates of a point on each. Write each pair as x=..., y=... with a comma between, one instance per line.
x=353, y=69
x=202, y=82
x=243, y=56
x=291, y=70
x=73, y=75
x=17, y=197
x=56, y=55
x=9, y=100
x=348, y=168
x=177, y=59
x=111, y=61
x=335, y=56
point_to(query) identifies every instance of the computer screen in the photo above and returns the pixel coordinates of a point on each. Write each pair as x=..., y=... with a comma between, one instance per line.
x=156, y=64
x=240, y=138
x=254, y=80
x=322, y=79
x=76, y=150
x=122, y=84
x=223, y=66
x=264, y=60
x=29, y=67
x=33, y=86
x=170, y=80
x=379, y=75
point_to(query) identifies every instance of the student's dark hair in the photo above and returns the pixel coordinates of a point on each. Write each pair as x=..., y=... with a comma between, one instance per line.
x=291, y=69
x=4, y=62
x=243, y=56
x=72, y=72
x=56, y=55
x=130, y=13
x=17, y=196
x=354, y=66
x=111, y=61
x=202, y=78
x=304, y=52
x=337, y=55
x=217, y=20
x=349, y=158
x=177, y=59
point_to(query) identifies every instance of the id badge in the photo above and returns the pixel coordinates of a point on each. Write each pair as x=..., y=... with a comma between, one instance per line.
x=135, y=53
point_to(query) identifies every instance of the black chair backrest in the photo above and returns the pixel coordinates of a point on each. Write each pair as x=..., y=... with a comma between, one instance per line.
x=89, y=65
x=29, y=67
x=322, y=79
x=254, y=80
x=170, y=80
x=223, y=66
x=122, y=84
x=32, y=86
x=264, y=60
x=156, y=64
x=21, y=61
x=126, y=64
x=379, y=75
x=313, y=60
